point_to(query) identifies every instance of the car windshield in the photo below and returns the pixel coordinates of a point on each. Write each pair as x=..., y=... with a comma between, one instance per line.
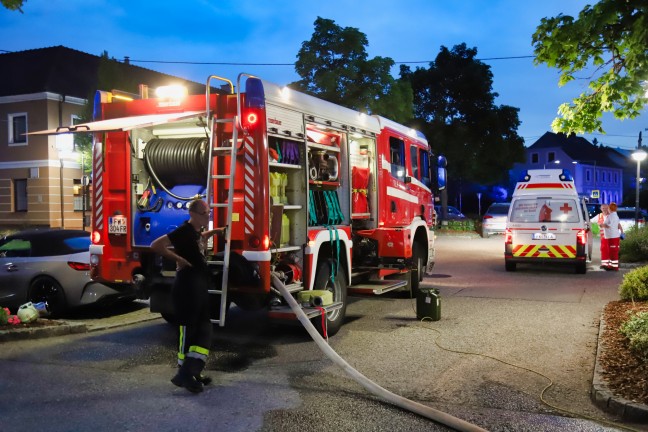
x=545, y=210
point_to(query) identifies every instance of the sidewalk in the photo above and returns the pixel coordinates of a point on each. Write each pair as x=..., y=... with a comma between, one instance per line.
x=120, y=316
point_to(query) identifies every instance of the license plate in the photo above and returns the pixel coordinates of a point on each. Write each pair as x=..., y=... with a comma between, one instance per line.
x=117, y=225
x=544, y=236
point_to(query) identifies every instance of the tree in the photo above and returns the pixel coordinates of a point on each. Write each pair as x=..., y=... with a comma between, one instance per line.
x=334, y=66
x=13, y=4
x=455, y=107
x=608, y=40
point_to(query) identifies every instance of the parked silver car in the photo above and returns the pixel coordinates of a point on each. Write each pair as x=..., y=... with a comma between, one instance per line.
x=494, y=220
x=50, y=265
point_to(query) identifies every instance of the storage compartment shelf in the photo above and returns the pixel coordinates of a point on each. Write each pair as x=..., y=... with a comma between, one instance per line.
x=285, y=249
x=324, y=147
x=283, y=165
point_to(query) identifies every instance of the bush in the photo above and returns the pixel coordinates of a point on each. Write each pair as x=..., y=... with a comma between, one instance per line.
x=635, y=285
x=636, y=330
x=4, y=316
x=635, y=246
x=461, y=225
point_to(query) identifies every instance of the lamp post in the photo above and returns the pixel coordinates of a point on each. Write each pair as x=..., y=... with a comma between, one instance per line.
x=638, y=155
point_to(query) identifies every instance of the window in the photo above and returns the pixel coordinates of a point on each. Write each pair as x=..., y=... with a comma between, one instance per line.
x=551, y=156
x=20, y=195
x=424, y=169
x=544, y=210
x=414, y=160
x=397, y=157
x=588, y=176
x=534, y=158
x=17, y=129
x=616, y=179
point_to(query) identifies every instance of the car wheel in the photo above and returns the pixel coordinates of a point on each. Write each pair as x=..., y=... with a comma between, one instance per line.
x=47, y=289
x=510, y=266
x=338, y=287
x=170, y=318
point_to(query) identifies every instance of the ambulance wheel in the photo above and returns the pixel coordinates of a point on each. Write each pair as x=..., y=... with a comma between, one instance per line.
x=338, y=287
x=418, y=267
x=510, y=266
x=581, y=268
x=46, y=289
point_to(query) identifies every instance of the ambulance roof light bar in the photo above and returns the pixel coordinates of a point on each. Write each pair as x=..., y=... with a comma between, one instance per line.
x=565, y=175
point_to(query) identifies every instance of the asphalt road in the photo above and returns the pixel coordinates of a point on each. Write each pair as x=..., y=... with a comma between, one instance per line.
x=273, y=378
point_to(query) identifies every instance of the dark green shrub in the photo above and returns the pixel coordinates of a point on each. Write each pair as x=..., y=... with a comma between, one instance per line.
x=4, y=316
x=635, y=285
x=461, y=225
x=635, y=246
x=636, y=330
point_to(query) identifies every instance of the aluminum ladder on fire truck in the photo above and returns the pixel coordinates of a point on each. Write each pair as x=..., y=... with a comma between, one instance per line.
x=215, y=152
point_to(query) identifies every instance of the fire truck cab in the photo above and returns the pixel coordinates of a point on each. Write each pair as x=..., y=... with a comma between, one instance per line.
x=327, y=198
x=547, y=222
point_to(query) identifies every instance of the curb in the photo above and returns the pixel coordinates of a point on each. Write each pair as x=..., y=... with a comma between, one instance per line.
x=41, y=332
x=603, y=397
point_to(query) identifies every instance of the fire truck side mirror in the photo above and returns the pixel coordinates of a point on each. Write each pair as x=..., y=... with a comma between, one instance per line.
x=407, y=179
x=441, y=178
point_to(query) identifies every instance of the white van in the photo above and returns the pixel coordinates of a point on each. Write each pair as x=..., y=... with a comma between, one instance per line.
x=547, y=222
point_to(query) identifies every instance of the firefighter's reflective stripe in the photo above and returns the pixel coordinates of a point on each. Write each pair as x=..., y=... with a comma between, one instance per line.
x=181, y=344
x=544, y=251
x=198, y=352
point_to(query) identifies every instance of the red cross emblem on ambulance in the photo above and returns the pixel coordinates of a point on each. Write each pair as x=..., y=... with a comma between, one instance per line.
x=565, y=208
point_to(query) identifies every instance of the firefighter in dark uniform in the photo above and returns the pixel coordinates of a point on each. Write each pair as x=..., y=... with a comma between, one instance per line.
x=189, y=294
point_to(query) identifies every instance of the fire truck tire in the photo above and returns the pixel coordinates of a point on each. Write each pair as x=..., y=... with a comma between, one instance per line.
x=334, y=319
x=170, y=318
x=418, y=267
x=47, y=289
x=510, y=266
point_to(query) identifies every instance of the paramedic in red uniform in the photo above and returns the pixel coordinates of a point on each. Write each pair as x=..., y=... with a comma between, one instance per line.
x=612, y=234
x=189, y=294
x=605, y=250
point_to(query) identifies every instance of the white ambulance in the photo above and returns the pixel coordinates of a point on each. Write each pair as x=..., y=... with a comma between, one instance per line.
x=548, y=222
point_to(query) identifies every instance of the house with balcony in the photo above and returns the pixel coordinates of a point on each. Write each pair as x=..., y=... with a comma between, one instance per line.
x=598, y=176
x=46, y=88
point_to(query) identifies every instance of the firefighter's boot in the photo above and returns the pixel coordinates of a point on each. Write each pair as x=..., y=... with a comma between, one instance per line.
x=195, y=368
x=185, y=377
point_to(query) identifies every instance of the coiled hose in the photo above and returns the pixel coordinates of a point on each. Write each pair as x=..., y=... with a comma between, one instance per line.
x=177, y=161
x=372, y=387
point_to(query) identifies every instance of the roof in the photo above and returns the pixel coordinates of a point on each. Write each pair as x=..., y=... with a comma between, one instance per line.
x=577, y=148
x=69, y=72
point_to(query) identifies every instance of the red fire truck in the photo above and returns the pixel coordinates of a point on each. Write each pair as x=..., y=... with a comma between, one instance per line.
x=330, y=199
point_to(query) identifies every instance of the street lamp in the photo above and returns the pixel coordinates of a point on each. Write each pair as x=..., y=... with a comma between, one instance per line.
x=638, y=155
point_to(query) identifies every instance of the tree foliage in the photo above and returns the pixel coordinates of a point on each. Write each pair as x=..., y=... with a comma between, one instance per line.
x=609, y=41
x=334, y=66
x=455, y=107
x=13, y=4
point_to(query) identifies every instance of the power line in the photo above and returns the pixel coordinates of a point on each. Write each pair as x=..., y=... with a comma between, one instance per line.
x=293, y=64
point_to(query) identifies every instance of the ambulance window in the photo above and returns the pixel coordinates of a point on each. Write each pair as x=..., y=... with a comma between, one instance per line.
x=414, y=159
x=397, y=157
x=545, y=210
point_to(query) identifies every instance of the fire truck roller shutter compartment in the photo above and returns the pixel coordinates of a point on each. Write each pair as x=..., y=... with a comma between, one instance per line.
x=177, y=169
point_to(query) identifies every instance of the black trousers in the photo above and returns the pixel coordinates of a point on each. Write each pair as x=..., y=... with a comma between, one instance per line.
x=191, y=301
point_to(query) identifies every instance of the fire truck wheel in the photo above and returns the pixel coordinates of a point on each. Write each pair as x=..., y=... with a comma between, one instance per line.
x=334, y=319
x=46, y=289
x=170, y=318
x=510, y=266
x=418, y=268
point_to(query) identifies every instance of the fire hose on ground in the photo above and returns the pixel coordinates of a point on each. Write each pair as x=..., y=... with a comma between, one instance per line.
x=372, y=387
